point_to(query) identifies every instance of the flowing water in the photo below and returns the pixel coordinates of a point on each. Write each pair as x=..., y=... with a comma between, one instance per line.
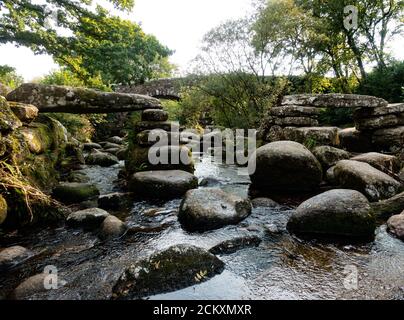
x=281, y=267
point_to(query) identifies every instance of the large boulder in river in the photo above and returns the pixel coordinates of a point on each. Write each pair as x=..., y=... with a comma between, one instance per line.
x=374, y=184
x=102, y=159
x=329, y=156
x=89, y=218
x=209, y=209
x=12, y=256
x=162, y=184
x=337, y=213
x=112, y=228
x=79, y=100
x=285, y=166
x=177, y=267
x=386, y=208
x=395, y=225
x=3, y=209
x=382, y=162
x=73, y=192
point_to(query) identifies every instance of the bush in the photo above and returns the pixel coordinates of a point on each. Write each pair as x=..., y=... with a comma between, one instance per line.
x=387, y=83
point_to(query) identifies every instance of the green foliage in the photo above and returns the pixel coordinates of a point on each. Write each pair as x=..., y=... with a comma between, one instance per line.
x=65, y=77
x=386, y=83
x=89, y=42
x=9, y=77
x=236, y=100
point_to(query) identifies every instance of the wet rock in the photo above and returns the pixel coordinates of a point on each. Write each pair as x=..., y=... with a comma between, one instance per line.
x=73, y=192
x=3, y=209
x=113, y=151
x=312, y=135
x=25, y=112
x=264, y=203
x=12, y=256
x=159, y=158
x=382, y=162
x=116, y=140
x=336, y=213
x=153, y=125
x=30, y=286
x=354, y=140
x=154, y=115
x=233, y=245
x=209, y=182
x=110, y=145
x=8, y=120
x=115, y=201
x=167, y=184
x=285, y=166
x=386, y=208
x=334, y=100
x=79, y=100
x=112, y=228
x=395, y=225
x=360, y=176
x=78, y=176
x=88, y=219
x=329, y=156
x=209, y=209
x=401, y=175
x=178, y=267
x=91, y=145
x=330, y=176
x=122, y=153
x=102, y=159
x=389, y=140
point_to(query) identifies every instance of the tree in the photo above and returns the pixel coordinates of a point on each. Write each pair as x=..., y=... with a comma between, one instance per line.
x=9, y=77
x=89, y=42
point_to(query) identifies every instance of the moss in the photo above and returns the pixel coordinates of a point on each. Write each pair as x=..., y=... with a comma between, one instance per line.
x=75, y=192
x=3, y=209
x=8, y=121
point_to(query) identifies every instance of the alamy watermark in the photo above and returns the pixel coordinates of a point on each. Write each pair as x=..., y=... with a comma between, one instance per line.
x=351, y=17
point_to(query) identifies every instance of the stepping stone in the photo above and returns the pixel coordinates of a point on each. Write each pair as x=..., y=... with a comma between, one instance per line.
x=167, y=184
x=154, y=115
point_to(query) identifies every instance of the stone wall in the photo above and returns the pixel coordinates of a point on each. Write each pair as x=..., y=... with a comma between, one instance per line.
x=378, y=125
x=33, y=150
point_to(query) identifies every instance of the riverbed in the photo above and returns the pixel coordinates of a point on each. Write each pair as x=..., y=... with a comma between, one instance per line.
x=281, y=267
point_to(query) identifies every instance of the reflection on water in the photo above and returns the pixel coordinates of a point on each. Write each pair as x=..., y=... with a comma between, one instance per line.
x=282, y=267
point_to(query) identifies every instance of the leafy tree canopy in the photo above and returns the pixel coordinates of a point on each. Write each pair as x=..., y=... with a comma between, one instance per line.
x=85, y=38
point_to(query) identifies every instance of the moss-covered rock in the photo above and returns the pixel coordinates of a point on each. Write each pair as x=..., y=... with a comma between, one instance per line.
x=25, y=112
x=8, y=120
x=3, y=209
x=175, y=268
x=73, y=192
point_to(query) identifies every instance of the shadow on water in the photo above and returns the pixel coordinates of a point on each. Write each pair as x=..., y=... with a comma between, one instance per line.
x=281, y=267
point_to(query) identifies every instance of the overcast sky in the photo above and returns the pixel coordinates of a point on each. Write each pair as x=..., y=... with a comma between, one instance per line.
x=178, y=24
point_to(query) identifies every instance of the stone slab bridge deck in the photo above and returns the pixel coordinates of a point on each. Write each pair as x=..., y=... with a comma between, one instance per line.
x=80, y=100
x=169, y=88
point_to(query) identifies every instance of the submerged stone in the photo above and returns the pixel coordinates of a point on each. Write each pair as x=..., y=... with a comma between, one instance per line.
x=177, y=267
x=89, y=218
x=13, y=256
x=337, y=213
x=73, y=192
x=233, y=245
x=209, y=209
